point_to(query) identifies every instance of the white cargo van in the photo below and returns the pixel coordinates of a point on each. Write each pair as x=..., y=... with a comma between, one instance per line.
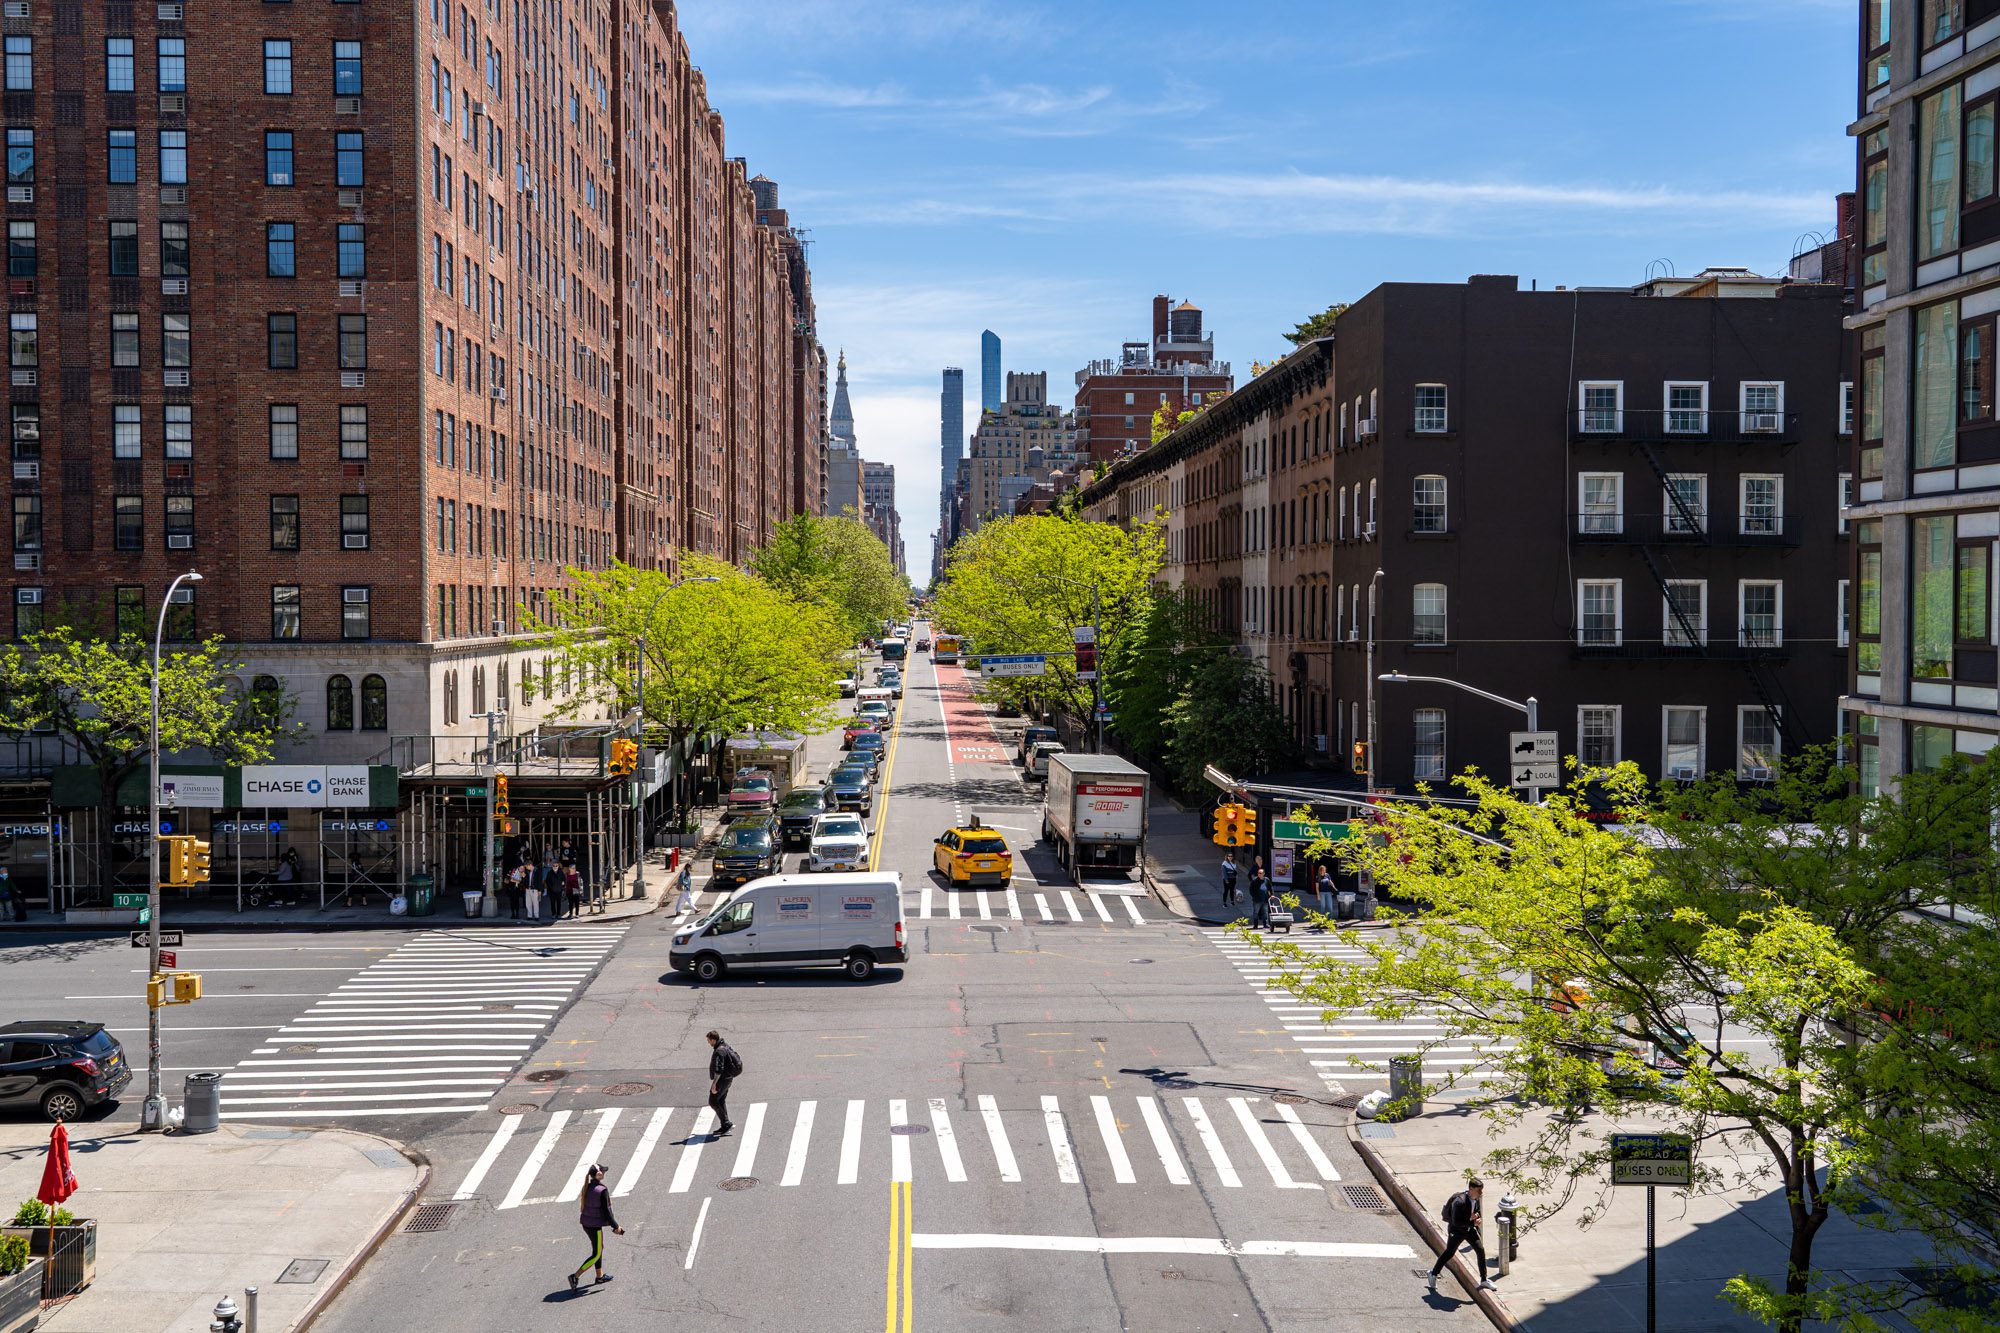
x=848, y=921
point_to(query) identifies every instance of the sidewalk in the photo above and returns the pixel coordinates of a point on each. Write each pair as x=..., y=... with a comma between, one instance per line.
x=184, y=1220
x=1569, y=1280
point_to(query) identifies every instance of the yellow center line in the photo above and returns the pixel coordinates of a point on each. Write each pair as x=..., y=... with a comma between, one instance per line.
x=882, y=806
x=898, y=1314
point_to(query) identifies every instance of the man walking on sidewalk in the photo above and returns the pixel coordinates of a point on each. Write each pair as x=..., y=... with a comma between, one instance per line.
x=1461, y=1223
x=723, y=1067
x=1229, y=879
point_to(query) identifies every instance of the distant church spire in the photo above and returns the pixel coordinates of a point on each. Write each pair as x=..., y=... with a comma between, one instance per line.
x=841, y=424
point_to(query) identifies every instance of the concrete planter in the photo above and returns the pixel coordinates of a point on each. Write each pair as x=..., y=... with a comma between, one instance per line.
x=70, y=1251
x=21, y=1299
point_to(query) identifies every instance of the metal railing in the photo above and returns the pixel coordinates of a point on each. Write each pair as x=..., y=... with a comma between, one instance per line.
x=1705, y=529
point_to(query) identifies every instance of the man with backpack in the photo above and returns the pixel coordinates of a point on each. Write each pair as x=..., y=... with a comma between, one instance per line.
x=724, y=1065
x=1229, y=879
x=1461, y=1216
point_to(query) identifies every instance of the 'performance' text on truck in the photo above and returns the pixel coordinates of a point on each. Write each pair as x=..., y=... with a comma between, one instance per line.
x=1094, y=811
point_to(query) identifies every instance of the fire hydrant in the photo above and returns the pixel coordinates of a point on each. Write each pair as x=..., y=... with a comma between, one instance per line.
x=1507, y=1245
x=225, y=1320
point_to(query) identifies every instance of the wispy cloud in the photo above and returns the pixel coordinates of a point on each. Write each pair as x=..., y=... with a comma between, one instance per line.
x=1027, y=109
x=816, y=24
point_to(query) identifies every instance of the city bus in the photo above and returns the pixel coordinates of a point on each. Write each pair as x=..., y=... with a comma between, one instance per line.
x=944, y=648
x=895, y=650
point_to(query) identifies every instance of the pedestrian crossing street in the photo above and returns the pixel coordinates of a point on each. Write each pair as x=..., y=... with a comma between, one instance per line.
x=1343, y=1049
x=1045, y=904
x=435, y=1025
x=1231, y=1142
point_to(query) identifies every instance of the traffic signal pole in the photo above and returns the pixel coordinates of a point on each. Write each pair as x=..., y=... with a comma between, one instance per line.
x=153, y=1112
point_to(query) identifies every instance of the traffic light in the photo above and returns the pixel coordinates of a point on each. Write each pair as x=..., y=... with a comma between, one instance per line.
x=174, y=859
x=1235, y=825
x=197, y=861
x=624, y=758
x=1246, y=826
x=1224, y=826
x=1359, y=763
x=500, y=794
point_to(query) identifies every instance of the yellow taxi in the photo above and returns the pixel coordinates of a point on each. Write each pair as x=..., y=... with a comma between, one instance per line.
x=973, y=855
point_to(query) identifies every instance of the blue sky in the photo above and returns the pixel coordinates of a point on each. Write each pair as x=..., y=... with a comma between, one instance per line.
x=1043, y=170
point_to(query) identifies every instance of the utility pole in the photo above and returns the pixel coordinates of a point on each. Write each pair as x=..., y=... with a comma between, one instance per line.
x=1096, y=677
x=1369, y=680
x=639, y=807
x=489, y=905
x=153, y=1113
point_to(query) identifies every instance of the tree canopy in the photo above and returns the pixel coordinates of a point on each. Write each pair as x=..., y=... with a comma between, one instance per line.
x=1223, y=715
x=839, y=565
x=1318, y=326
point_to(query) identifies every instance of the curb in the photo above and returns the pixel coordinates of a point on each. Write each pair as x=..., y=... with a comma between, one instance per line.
x=412, y=924
x=1406, y=1203
x=382, y=1233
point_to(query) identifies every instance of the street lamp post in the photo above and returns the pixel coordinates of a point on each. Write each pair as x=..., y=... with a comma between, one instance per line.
x=639, y=807
x=1526, y=707
x=489, y=905
x=153, y=1114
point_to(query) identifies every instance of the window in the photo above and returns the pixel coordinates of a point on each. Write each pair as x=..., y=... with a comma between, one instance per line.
x=1756, y=743
x=284, y=430
x=278, y=67
x=1597, y=735
x=124, y=249
x=122, y=156
x=281, y=335
x=352, y=251
x=125, y=433
x=1842, y=617
x=20, y=64
x=277, y=157
x=1868, y=600
x=27, y=432
x=1600, y=611
x=1942, y=20
x=173, y=157
x=339, y=703
x=1760, y=611
x=1761, y=512
x=1763, y=405
x=21, y=249
x=1601, y=406
x=1979, y=151
x=179, y=418
x=347, y=166
x=1933, y=560
x=1427, y=745
x=124, y=338
x=1427, y=613
x=285, y=611
x=174, y=250
x=1936, y=392
x=1600, y=502
x=1974, y=608
x=1930, y=747
x=1431, y=404
x=180, y=520
x=27, y=620
x=347, y=69
x=1844, y=417
x=176, y=346
x=130, y=602
x=173, y=64
x=1975, y=370
x=117, y=64
x=20, y=157
x=1687, y=407
x=24, y=343
x=354, y=430
x=353, y=522
x=1937, y=171
x=284, y=522
x=1844, y=499
x=374, y=699
x=354, y=613
x=128, y=522
x=27, y=522
x=1684, y=736
x=280, y=252
x=1427, y=511
x=353, y=342
x=1684, y=613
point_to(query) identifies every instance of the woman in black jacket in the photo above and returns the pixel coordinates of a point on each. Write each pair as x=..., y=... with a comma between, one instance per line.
x=595, y=1208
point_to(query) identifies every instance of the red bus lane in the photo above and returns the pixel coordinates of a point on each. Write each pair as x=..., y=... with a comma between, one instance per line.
x=967, y=727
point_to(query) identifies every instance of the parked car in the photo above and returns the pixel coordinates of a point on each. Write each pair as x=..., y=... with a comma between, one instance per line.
x=796, y=813
x=1030, y=738
x=848, y=685
x=839, y=842
x=859, y=765
x=1038, y=760
x=974, y=855
x=848, y=791
x=747, y=850
x=875, y=745
x=859, y=727
x=63, y=1067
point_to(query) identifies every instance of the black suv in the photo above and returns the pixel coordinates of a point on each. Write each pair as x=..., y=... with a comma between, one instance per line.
x=748, y=849
x=64, y=1068
x=796, y=814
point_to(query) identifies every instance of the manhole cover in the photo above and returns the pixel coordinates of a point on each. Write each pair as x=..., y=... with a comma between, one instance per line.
x=304, y=1270
x=547, y=1075
x=735, y=1183
x=520, y=1108
x=306, y=1049
x=1348, y=1101
x=1288, y=1099
x=909, y=1129
x=1174, y=1273
x=992, y=930
x=1174, y=1084
x=429, y=1217
x=1365, y=1196
x=1139, y=960
x=627, y=1089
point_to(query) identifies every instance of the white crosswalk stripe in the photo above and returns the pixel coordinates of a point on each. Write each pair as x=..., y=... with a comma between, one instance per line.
x=874, y=1140
x=1343, y=1046
x=436, y=1025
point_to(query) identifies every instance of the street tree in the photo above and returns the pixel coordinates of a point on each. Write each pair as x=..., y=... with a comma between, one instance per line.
x=1318, y=326
x=96, y=693
x=1768, y=940
x=838, y=564
x=1223, y=714
x=1023, y=584
x=1152, y=663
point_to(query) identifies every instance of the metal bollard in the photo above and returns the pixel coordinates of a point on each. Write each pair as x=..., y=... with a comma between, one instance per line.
x=1506, y=1244
x=249, y=1310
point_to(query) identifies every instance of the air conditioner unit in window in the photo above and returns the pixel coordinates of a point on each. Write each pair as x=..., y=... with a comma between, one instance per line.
x=1760, y=421
x=173, y=286
x=173, y=102
x=346, y=106
x=176, y=379
x=21, y=286
x=24, y=379
x=1682, y=773
x=1319, y=743
x=1364, y=429
x=17, y=9
x=27, y=469
x=171, y=13
x=347, y=198
x=353, y=379
x=1756, y=773
x=1354, y=635
x=1368, y=533
x=173, y=194
x=479, y=108
x=28, y=596
x=31, y=561
x=353, y=541
x=354, y=596
x=20, y=194
x=351, y=287
x=180, y=541
x=500, y=392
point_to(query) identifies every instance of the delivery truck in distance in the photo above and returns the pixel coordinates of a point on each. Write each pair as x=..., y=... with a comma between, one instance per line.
x=1094, y=812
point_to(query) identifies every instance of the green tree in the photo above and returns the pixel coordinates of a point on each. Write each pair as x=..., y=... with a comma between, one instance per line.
x=1319, y=326
x=1150, y=667
x=1022, y=584
x=96, y=693
x=1223, y=715
x=1755, y=936
x=838, y=564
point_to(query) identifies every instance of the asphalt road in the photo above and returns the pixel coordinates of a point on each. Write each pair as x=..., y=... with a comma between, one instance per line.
x=1083, y=1122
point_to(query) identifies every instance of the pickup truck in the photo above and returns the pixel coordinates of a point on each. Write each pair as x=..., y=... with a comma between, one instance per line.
x=753, y=792
x=1094, y=811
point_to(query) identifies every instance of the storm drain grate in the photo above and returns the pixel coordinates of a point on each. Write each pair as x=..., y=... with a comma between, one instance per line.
x=909, y=1129
x=520, y=1108
x=546, y=1075
x=1365, y=1196
x=429, y=1217
x=626, y=1089
x=1348, y=1100
x=1288, y=1099
x=1174, y=1084
x=304, y=1270
x=735, y=1183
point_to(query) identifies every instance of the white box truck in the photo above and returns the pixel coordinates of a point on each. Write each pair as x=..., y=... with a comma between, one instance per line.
x=1094, y=811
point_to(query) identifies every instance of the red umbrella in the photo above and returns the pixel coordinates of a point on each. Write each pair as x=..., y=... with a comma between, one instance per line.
x=58, y=1183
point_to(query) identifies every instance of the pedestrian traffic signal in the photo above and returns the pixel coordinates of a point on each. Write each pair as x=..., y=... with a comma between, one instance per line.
x=500, y=794
x=1359, y=763
x=187, y=987
x=197, y=861
x=173, y=860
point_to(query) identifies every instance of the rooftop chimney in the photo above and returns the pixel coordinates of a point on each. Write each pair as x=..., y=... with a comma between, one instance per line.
x=1161, y=305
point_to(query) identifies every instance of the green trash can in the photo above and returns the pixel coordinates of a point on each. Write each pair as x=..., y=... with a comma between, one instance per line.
x=422, y=895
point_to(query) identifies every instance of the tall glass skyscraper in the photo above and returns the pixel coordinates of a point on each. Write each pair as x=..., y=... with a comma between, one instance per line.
x=951, y=424
x=992, y=390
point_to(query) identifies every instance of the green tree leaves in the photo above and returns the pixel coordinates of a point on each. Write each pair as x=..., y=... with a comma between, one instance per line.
x=839, y=565
x=1224, y=716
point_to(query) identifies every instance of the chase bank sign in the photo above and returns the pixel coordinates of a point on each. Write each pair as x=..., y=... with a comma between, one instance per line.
x=311, y=786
